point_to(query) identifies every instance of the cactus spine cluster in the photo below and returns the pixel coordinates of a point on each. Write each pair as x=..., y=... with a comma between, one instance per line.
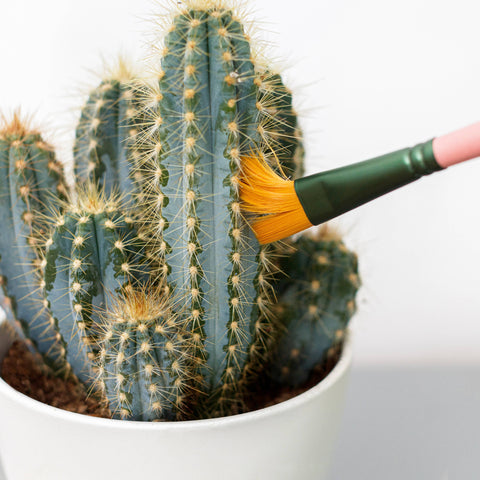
x=161, y=299
x=280, y=130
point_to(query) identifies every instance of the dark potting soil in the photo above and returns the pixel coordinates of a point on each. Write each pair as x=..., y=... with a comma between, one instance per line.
x=266, y=394
x=21, y=372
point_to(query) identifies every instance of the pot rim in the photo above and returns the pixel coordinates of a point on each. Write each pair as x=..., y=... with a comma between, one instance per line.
x=293, y=403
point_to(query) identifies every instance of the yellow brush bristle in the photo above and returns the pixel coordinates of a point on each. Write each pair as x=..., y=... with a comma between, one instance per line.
x=271, y=200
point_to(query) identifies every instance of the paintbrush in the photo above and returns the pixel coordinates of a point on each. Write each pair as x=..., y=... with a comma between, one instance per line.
x=278, y=207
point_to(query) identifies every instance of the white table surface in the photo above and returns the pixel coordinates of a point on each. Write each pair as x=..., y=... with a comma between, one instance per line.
x=409, y=424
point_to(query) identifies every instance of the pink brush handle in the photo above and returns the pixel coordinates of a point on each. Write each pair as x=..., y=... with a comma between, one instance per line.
x=457, y=146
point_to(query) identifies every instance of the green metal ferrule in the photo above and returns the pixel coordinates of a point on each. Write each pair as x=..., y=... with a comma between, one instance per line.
x=329, y=194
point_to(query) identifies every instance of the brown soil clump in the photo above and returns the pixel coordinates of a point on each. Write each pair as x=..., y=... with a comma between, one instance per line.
x=21, y=372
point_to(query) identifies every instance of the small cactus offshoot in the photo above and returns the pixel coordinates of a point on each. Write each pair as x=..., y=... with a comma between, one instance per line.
x=90, y=256
x=147, y=283
x=145, y=361
x=315, y=304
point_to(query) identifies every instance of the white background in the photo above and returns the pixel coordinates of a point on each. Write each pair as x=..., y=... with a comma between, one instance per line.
x=370, y=76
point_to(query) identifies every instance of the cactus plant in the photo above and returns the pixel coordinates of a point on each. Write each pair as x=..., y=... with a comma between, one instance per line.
x=315, y=304
x=30, y=180
x=184, y=334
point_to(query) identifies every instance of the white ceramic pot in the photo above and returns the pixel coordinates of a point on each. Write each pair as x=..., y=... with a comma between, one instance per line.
x=291, y=440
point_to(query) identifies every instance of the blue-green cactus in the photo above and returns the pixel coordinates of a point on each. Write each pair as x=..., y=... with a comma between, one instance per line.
x=209, y=115
x=106, y=134
x=31, y=179
x=89, y=260
x=315, y=304
x=144, y=359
